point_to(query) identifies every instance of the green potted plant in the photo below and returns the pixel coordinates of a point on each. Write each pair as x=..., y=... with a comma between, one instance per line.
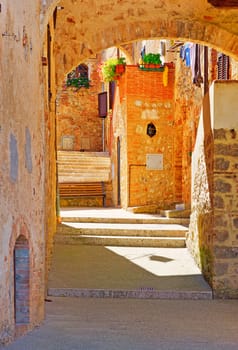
x=78, y=82
x=152, y=60
x=112, y=68
x=121, y=65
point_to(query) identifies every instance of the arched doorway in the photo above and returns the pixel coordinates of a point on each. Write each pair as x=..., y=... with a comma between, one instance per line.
x=22, y=281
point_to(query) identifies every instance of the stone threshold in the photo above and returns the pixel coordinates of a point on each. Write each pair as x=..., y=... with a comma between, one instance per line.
x=131, y=294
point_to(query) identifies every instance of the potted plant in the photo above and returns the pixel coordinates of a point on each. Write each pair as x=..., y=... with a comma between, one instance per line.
x=152, y=60
x=121, y=65
x=78, y=82
x=112, y=69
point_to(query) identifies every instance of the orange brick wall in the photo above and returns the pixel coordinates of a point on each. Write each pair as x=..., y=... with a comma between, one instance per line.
x=148, y=100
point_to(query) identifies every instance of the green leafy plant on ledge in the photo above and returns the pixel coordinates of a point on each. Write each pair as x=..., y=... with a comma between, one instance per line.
x=152, y=58
x=112, y=68
x=151, y=61
x=80, y=82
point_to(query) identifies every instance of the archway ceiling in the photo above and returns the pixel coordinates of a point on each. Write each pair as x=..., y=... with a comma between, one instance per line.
x=85, y=27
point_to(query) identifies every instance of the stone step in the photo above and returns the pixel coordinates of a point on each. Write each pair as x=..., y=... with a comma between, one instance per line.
x=83, y=166
x=83, y=178
x=176, y=213
x=84, y=171
x=97, y=160
x=143, y=293
x=131, y=235
x=126, y=220
x=122, y=241
x=130, y=230
x=86, y=161
x=78, y=154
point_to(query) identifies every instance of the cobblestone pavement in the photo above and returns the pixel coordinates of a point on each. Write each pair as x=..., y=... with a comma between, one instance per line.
x=131, y=324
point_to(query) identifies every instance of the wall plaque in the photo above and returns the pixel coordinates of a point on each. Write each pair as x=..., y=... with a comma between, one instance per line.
x=154, y=161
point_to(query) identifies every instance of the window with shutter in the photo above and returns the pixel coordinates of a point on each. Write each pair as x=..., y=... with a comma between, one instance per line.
x=78, y=78
x=223, y=67
x=112, y=86
x=82, y=71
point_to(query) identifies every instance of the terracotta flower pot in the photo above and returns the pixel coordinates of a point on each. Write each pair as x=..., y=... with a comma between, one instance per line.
x=120, y=68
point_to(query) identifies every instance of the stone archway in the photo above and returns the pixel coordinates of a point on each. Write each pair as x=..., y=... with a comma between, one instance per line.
x=116, y=24
x=85, y=30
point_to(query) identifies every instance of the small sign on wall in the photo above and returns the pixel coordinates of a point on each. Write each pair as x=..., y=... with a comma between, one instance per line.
x=154, y=161
x=67, y=143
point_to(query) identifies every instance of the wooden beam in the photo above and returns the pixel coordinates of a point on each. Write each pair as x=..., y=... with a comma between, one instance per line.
x=224, y=3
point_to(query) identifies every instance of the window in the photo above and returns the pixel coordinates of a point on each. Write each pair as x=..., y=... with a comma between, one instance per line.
x=223, y=64
x=78, y=78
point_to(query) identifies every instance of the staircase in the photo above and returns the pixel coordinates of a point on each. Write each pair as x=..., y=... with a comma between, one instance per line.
x=148, y=233
x=74, y=166
x=84, y=178
x=100, y=253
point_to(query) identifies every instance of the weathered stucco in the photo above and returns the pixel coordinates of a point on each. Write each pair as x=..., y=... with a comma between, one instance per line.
x=22, y=158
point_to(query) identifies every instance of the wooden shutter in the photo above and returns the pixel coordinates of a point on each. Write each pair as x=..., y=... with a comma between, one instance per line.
x=102, y=104
x=223, y=67
x=112, y=87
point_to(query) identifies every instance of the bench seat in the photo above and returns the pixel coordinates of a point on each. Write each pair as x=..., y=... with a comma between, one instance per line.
x=82, y=189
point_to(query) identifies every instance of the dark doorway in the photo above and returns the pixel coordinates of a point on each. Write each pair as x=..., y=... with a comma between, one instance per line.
x=118, y=171
x=22, y=281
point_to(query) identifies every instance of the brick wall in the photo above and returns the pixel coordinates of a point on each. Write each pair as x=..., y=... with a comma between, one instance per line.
x=144, y=100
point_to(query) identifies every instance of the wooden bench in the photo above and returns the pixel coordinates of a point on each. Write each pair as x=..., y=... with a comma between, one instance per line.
x=82, y=189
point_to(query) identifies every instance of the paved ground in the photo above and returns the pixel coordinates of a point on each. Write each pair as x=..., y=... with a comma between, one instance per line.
x=122, y=268
x=130, y=324
x=128, y=268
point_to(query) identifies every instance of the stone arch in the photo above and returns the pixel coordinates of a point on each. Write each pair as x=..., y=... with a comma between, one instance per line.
x=74, y=44
x=47, y=9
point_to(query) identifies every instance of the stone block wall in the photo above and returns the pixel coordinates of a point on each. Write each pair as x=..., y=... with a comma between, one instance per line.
x=213, y=231
x=225, y=282
x=200, y=238
x=78, y=126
